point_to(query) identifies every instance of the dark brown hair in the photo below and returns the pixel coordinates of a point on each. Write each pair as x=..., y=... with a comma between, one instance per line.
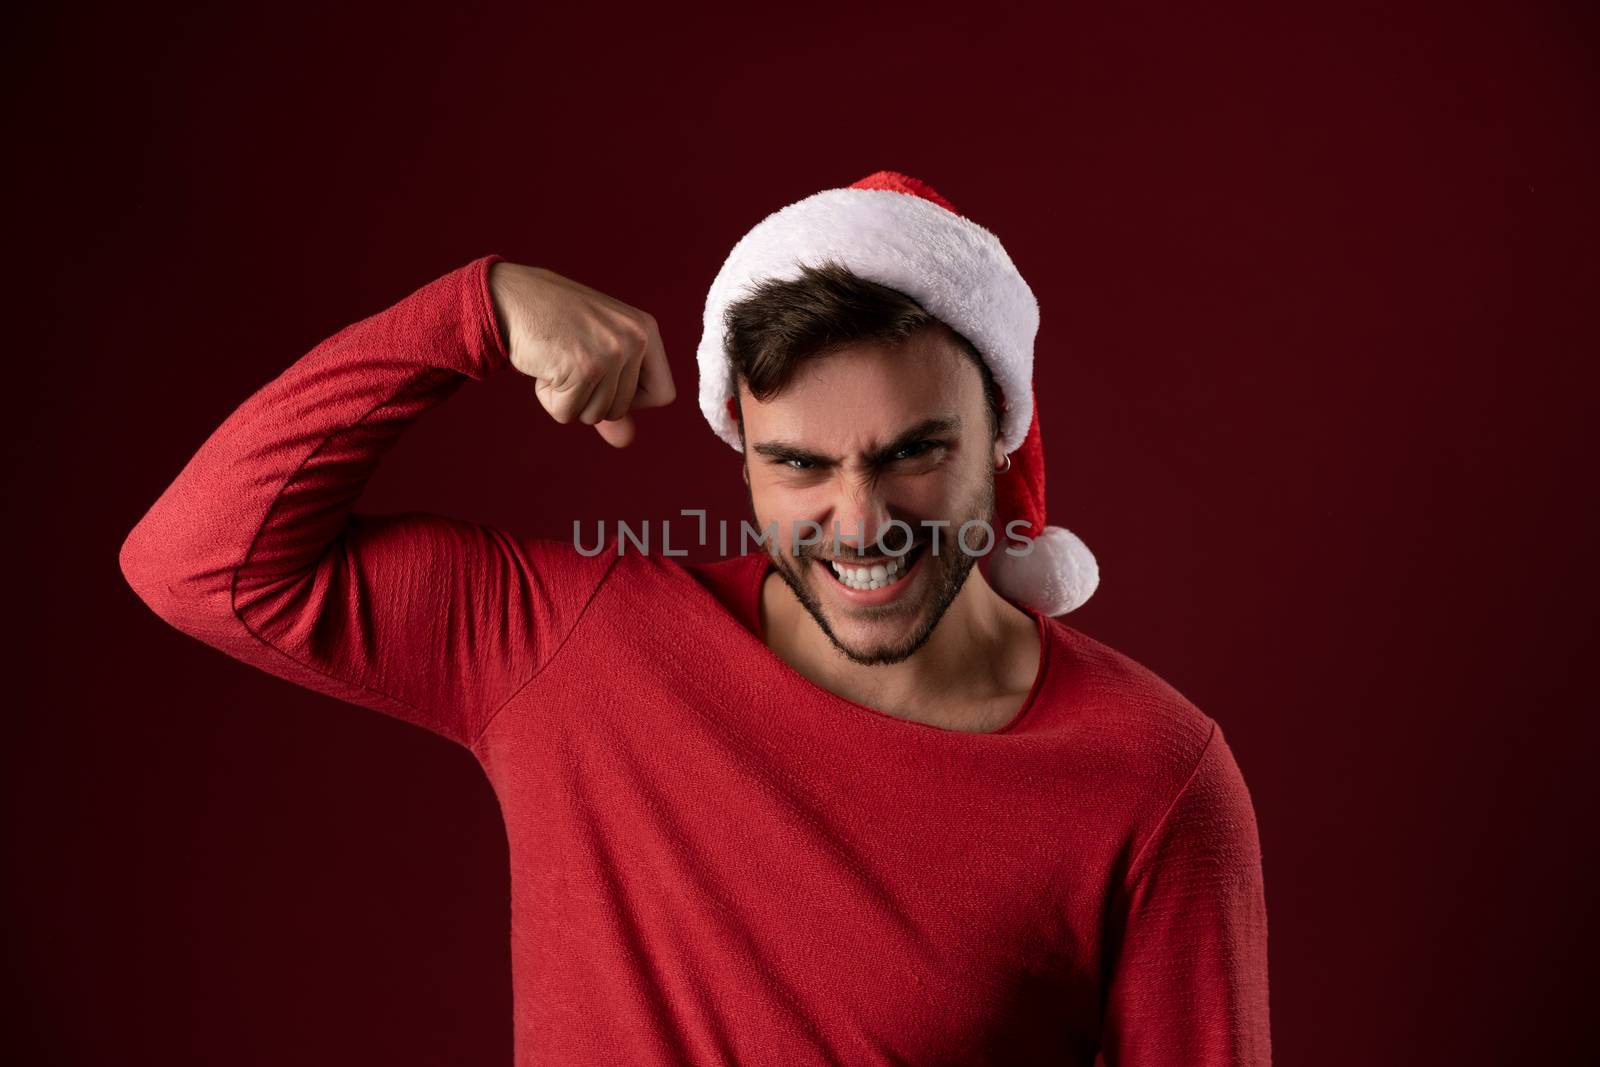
x=783, y=323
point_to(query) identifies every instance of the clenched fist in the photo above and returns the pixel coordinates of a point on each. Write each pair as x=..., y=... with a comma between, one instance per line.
x=592, y=357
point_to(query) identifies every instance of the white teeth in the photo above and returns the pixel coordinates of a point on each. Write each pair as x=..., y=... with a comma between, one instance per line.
x=874, y=577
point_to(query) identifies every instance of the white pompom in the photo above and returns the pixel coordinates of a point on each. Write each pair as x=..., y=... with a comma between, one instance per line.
x=1055, y=578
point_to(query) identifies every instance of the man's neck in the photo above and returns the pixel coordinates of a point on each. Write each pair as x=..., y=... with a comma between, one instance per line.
x=973, y=673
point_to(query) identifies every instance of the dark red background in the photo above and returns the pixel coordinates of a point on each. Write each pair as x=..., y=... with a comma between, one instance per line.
x=1315, y=364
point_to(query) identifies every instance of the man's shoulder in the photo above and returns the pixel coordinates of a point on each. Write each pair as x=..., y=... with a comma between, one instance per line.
x=732, y=582
x=1131, y=714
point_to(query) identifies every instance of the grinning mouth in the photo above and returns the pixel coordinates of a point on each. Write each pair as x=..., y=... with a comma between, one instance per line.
x=886, y=571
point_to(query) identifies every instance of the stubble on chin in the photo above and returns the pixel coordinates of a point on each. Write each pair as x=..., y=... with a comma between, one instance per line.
x=951, y=570
x=952, y=567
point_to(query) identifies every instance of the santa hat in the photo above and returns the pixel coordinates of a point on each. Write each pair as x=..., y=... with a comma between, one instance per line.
x=897, y=231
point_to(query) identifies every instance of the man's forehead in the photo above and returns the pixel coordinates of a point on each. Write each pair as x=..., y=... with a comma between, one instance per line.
x=873, y=374
x=865, y=397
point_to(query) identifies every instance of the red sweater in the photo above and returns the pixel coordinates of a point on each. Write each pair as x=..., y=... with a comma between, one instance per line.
x=715, y=861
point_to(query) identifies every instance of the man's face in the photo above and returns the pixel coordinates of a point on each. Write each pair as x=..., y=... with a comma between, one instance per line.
x=859, y=437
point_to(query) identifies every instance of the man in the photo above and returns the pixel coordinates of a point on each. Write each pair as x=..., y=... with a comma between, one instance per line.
x=793, y=806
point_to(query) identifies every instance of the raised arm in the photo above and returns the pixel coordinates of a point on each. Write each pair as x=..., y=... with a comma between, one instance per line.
x=1189, y=980
x=255, y=550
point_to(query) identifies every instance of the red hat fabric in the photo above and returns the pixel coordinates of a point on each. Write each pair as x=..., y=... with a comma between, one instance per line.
x=895, y=230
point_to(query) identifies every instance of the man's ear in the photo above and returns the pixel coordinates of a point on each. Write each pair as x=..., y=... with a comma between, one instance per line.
x=999, y=453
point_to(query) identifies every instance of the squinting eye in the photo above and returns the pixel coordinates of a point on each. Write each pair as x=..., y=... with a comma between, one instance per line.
x=797, y=464
x=912, y=450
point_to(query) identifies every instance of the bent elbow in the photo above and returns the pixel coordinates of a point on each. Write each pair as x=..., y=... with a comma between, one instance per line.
x=151, y=574
x=173, y=581
x=140, y=565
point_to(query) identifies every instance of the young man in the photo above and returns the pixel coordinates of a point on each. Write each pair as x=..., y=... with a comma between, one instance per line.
x=825, y=802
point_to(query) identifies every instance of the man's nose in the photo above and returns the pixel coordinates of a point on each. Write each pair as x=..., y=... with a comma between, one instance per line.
x=863, y=516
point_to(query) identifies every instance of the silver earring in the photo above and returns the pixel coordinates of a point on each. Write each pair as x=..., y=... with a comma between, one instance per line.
x=1007, y=468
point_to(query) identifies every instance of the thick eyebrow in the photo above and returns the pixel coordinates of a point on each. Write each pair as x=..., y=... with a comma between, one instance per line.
x=778, y=450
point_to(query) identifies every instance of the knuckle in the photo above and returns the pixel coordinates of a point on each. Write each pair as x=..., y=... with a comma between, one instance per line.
x=557, y=403
x=557, y=379
x=634, y=336
x=630, y=339
x=587, y=364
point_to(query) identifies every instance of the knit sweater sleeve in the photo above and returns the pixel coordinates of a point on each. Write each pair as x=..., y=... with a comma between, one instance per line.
x=1189, y=978
x=255, y=549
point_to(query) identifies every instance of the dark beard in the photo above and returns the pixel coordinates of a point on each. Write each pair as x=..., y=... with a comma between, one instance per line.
x=952, y=568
